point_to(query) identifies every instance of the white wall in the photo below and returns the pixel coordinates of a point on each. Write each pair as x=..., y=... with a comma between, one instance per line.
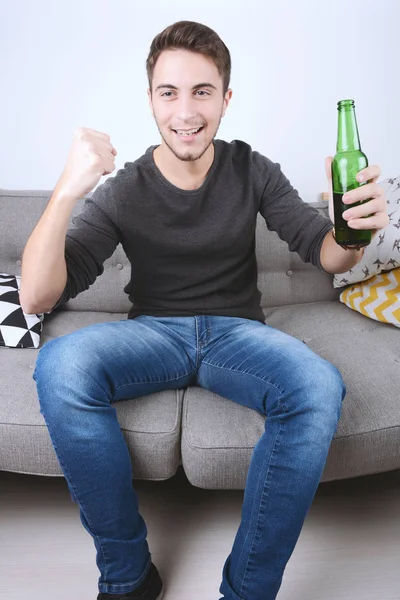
x=82, y=62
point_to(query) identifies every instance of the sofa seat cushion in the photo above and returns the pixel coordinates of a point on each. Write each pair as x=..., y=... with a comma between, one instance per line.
x=218, y=435
x=150, y=424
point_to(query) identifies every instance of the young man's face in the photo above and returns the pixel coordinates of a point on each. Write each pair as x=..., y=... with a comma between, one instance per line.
x=187, y=94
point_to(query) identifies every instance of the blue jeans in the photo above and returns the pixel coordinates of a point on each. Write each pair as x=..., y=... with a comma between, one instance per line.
x=81, y=374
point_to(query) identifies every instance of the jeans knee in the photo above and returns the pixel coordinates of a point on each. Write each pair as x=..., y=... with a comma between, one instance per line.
x=52, y=358
x=60, y=367
x=322, y=390
x=335, y=388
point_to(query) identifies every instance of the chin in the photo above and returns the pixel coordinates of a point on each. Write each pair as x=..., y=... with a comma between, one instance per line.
x=188, y=154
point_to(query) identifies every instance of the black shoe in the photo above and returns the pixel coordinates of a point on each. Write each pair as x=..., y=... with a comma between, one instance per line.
x=151, y=589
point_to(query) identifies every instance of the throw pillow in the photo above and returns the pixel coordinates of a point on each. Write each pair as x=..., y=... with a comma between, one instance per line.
x=377, y=298
x=383, y=253
x=17, y=329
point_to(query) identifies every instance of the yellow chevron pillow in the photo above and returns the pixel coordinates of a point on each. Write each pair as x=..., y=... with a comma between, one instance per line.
x=377, y=298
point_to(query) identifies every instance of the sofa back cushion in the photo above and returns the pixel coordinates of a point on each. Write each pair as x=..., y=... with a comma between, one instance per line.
x=283, y=277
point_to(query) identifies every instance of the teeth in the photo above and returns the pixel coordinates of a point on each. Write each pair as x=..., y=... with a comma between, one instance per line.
x=188, y=132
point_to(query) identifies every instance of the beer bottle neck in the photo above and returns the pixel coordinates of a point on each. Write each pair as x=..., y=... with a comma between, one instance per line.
x=348, y=138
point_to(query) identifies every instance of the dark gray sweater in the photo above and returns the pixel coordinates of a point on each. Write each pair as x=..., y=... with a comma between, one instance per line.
x=191, y=251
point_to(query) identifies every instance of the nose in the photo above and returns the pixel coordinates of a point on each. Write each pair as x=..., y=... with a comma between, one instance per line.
x=186, y=109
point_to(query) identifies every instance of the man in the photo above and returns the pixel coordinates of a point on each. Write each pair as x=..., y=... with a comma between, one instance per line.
x=185, y=213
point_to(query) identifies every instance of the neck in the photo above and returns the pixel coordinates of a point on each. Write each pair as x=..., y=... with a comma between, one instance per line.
x=186, y=174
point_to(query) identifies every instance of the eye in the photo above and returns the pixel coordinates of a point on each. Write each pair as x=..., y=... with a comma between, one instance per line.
x=203, y=92
x=164, y=93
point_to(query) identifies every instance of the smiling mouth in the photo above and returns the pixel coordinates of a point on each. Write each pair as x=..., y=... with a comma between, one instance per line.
x=188, y=133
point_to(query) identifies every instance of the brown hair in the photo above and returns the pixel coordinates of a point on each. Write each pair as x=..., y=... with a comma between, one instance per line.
x=195, y=37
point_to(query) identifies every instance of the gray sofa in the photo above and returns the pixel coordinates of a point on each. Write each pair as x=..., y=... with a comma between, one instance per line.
x=210, y=436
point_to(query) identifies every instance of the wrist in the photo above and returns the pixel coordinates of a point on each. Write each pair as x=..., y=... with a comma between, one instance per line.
x=334, y=258
x=348, y=247
x=357, y=250
x=63, y=197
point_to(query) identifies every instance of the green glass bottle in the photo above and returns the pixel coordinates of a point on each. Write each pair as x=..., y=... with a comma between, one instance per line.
x=347, y=162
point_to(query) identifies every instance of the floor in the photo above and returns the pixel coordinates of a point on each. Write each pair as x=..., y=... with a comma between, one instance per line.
x=349, y=548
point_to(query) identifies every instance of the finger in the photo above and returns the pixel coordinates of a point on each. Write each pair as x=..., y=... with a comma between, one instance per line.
x=371, y=173
x=364, y=192
x=328, y=167
x=93, y=132
x=100, y=134
x=363, y=210
x=106, y=156
x=104, y=148
x=104, y=144
x=109, y=167
x=378, y=221
x=110, y=148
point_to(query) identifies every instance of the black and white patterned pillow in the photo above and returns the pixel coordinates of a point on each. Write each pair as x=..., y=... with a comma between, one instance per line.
x=17, y=329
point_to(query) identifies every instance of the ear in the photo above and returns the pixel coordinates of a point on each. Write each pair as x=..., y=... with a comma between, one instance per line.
x=227, y=99
x=150, y=102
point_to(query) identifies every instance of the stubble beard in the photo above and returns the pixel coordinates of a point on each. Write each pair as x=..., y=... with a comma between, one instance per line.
x=189, y=155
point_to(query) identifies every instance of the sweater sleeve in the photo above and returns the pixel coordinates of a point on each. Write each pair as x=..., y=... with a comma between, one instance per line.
x=295, y=221
x=91, y=239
